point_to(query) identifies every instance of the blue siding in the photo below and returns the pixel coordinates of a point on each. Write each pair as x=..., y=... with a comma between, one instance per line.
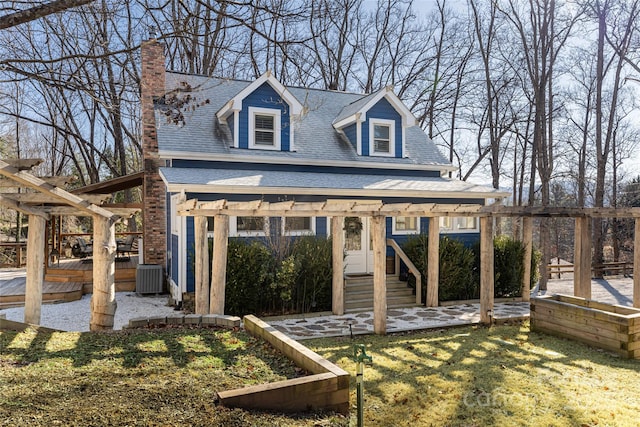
x=191, y=279
x=265, y=97
x=321, y=226
x=351, y=132
x=382, y=110
x=174, y=259
x=202, y=164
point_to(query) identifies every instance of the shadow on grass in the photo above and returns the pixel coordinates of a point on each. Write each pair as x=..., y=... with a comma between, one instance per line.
x=476, y=376
x=131, y=348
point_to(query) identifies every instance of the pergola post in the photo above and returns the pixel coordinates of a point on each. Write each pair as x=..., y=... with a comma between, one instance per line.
x=378, y=234
x=337, y=244
x=582, y=258
x=636, y=265
x=35, y=269
x=433, y=262
x=202, y=264
x=527, y=241
x=103, y=301
x=219, y=263
x=486, y=270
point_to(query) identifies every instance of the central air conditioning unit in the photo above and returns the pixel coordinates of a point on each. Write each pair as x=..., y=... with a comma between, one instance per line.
x=149, y=279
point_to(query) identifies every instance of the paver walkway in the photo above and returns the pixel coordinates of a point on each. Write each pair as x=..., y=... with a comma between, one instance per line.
x=398, y=320
x=612, y=291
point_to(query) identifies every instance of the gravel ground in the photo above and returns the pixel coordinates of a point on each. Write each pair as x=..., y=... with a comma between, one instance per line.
x=75, y=315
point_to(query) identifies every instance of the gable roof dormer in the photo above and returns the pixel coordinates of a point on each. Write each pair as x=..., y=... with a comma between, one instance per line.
x=375, y=124
x=261, y=115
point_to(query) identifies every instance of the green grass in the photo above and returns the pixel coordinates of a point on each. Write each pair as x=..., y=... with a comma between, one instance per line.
x=500, y=376
x=470, y=376
x=136, y=378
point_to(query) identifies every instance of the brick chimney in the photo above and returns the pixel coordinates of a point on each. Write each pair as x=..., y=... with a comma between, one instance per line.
x=152, y=84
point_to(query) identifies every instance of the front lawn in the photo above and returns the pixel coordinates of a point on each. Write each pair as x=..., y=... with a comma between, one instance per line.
x=500, y=376
x=470, y=376
x=163, y=377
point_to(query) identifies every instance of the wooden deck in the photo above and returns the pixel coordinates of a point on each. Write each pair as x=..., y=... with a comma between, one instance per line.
x=66, y=281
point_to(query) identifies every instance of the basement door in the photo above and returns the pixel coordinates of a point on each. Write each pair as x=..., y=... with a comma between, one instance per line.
x=358, y=245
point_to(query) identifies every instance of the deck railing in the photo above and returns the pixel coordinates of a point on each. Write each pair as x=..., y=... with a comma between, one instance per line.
x=400, y=255
x=13, y=254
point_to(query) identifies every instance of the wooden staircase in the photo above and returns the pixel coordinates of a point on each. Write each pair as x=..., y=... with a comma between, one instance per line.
x=358, y=295
x=78, y=271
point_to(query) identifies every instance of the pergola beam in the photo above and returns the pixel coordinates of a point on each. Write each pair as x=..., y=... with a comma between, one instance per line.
x=57, y=194
x=28, y=210
x=40, y=198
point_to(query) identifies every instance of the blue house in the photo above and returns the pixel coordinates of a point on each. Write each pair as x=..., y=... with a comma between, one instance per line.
x=260, y=140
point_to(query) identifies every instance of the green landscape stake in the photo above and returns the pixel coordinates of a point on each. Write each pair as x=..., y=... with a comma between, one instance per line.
x=360, y=357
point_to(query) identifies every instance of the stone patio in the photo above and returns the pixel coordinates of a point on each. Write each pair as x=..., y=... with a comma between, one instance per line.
x=614, y=290
x=398, y=320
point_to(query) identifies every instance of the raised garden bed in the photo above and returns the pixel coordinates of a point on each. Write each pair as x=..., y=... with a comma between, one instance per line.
x=327, y=388
x=611, y=327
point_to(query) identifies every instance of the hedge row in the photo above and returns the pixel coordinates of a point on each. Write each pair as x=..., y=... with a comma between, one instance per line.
x=460, y=267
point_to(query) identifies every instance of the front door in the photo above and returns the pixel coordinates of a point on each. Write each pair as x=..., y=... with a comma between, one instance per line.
x=357, y=245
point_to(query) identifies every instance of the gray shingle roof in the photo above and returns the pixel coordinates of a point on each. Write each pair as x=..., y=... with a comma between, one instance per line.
x=350, y=109
x=315, y=137
x=255, y=181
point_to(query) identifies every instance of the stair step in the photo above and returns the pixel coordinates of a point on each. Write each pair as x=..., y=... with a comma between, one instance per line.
x=359, y=293
x=394, y=302
x=63, y=278
x=369, y=294
x=369, y=287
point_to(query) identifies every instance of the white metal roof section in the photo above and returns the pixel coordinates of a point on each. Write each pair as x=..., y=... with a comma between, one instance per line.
x=227, y=181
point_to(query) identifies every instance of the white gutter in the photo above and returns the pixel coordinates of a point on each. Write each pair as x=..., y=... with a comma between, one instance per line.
x=180, y=155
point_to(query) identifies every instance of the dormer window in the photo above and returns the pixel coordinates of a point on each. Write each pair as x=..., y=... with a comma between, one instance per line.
x=381, y=137
x=264, y=128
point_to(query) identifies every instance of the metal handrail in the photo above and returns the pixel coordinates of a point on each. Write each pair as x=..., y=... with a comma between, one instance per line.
x=412, y=268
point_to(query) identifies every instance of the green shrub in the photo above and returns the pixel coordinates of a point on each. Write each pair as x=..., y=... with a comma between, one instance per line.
x=456, y=271
x=456, y=267
x=313, y=257
x=250, y=269
x=508, y=266
x=259, y=283
x=416, y=248
x=460, y=267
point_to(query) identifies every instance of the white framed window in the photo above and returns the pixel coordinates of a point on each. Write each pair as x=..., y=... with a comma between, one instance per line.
x=248, y=226
x=264, y=128
x=405, y=225
x=298, y=225
x=382, y=137
x=450, y=224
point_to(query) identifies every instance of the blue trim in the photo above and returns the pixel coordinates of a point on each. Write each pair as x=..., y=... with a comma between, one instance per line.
x=203, y=164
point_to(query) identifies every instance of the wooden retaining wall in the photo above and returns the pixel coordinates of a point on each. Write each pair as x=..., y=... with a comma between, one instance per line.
x=327, y=388
x=612, y=327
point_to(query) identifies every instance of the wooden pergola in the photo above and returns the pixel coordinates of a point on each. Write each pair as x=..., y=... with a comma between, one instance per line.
x=43, y=200
x=210, y=296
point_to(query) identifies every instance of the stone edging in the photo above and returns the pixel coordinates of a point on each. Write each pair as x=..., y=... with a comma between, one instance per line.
x=327, y=388
x=187, y=319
